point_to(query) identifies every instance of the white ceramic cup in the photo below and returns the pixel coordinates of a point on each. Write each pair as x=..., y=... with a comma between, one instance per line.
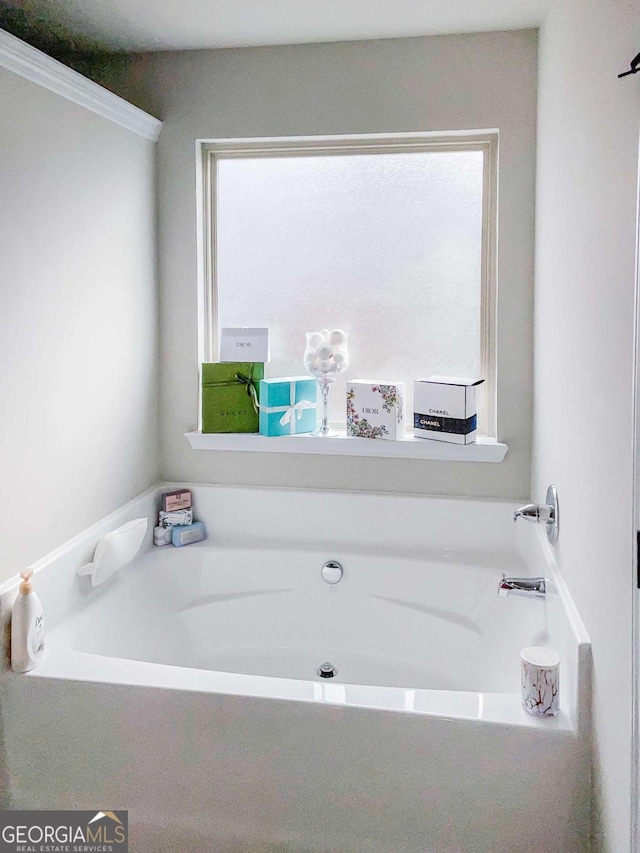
x=540, y=681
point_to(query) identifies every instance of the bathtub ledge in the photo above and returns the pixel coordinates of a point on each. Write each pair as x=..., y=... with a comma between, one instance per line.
x=483, y=708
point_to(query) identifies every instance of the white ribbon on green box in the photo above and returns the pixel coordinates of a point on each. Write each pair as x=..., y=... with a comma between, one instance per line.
x=293, y=411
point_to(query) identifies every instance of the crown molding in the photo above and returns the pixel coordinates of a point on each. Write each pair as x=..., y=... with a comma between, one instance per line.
x=34, y=65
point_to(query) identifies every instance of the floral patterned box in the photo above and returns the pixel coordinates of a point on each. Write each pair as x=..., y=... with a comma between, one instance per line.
x=375, y=409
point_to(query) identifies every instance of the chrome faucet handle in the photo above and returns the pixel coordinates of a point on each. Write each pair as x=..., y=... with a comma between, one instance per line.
x=546, y=514
x=530, y=512
x=540, y=513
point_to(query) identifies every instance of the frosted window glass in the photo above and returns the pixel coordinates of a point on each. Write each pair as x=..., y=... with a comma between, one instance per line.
x=386, y=246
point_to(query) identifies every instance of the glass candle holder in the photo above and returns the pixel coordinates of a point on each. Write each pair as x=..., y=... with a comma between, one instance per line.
x=326, y=356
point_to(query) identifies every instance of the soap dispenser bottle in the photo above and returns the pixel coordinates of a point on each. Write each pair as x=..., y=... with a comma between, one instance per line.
x=27, y=627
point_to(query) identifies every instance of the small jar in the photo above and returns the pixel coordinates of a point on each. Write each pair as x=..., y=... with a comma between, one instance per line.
x=161, y=535
x=540, y=681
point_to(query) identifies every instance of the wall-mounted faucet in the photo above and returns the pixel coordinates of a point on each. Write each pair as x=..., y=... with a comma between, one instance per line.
x=547, y=514
x=531, y=587
x=540, y=513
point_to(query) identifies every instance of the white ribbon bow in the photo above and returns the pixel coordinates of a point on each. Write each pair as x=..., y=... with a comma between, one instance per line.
x=296, y=411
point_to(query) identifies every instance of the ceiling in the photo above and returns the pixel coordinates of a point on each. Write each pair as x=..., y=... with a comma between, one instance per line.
x=141, y=25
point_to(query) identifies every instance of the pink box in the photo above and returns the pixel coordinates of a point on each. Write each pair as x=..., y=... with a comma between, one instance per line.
x=172, y=501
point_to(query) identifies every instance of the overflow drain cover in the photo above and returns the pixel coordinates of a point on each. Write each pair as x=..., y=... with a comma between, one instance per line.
x=327, y=670
x=332, y=572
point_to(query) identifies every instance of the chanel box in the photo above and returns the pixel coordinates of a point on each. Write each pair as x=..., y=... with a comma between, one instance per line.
x=375, y=409
x=445, y=409
x=244, y=344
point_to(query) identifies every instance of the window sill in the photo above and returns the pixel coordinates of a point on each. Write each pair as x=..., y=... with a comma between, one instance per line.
x=484, y=450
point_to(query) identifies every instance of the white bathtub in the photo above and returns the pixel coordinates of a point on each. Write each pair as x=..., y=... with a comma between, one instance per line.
x=186, y=689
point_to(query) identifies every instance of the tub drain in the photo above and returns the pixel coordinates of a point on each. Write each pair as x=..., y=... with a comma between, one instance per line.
x=327, y=670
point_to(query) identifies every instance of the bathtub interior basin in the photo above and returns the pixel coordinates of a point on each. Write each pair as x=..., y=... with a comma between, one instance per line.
x=432, y=623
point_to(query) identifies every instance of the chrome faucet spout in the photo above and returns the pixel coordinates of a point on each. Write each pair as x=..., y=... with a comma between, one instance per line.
x=529, y=587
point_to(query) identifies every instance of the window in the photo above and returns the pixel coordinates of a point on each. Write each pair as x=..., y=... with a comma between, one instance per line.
x=388, y=238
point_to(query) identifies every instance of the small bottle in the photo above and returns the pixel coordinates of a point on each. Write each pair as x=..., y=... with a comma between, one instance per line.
x=27, y=627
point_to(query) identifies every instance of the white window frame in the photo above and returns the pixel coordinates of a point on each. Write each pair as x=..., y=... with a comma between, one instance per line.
x=209, y=152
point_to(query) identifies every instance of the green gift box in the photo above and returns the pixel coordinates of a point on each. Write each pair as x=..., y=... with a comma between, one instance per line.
x=230, y=396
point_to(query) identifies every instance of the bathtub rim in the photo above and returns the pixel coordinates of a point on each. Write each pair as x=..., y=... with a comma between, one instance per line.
x=475, y=707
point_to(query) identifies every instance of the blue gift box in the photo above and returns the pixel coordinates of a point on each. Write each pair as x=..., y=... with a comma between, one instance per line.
x=287, y=406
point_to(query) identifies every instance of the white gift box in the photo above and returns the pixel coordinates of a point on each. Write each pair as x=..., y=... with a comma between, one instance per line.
x=375, y=409
x=445, y=408
x=244, y=344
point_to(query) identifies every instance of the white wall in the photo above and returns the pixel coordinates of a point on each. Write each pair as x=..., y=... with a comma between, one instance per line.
x=584, y=314
x=78, y=319
x=421, y=84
